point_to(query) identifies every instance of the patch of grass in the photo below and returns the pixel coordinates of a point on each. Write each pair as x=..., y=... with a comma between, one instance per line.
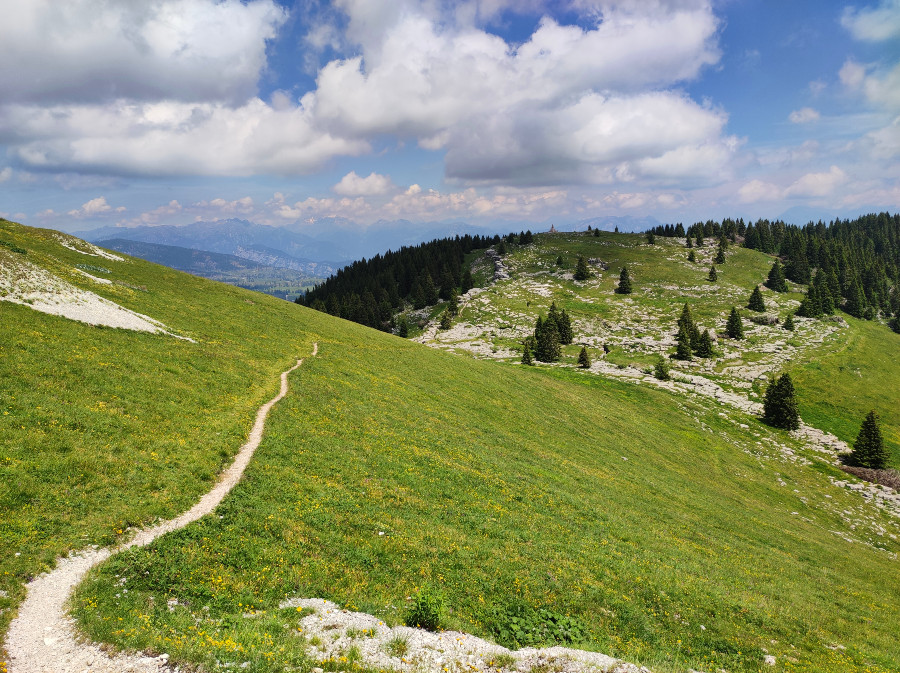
x=398, y=646
x=849, y=376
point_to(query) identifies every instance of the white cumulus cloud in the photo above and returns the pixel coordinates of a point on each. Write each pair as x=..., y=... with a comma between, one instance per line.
x=95, y=207
x=371, y=185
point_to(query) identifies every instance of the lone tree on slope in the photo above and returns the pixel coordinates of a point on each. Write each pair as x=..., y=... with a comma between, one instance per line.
x=624, y=282
x=581, y=270
x=713, y=274
x=756, y=302
x=734, y=329
x=779, y=405
x=584, y=360
x=868, y=450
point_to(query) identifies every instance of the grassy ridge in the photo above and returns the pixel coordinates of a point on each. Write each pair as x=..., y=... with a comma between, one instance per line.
x=643, y=515
x=103, y=429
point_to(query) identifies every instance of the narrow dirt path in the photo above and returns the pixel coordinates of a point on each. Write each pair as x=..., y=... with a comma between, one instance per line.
x=42, y=638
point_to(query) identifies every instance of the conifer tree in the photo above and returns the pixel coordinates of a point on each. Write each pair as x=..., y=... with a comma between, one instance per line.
x=559, y=260
x=546, y=340
x=651, y=237
x=526, y=354
x=713, y=274
x=661, y=369
x=445, y=320
x=789, y=323
x=775, y=280
x=584, y=360
x=734, y=329
x=624, y=282
x=720, y=253
x=501, y=248
x=810, y=306
x=430, y=290
x=700, y=238
x=597, y=232
x=683, y=350
x=689, y=243
x=756, y=302
x=691, y=256
x=779, y=405
x=686, y=318
x=453, y=304
x=868, y=450
x=564, y=325
x=705, y=347
x=581, y=269
x=467, y=281
x=856, y=300
x=403, y=327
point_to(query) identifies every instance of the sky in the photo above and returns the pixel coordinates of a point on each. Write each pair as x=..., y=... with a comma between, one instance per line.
x=493, y=112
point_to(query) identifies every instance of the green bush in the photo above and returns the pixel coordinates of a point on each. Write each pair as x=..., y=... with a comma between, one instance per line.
x=521, y=625
x=427, y=609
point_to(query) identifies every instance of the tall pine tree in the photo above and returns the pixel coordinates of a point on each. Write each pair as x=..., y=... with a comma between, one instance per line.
x=584, y=360
x=581, y=270
x=734, y=329
x=624, y=282
x=756, y=302
x=779, y=405
x=868, y=450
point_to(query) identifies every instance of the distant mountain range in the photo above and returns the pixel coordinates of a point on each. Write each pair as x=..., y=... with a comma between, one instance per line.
x=285, y=280
x=330, y=242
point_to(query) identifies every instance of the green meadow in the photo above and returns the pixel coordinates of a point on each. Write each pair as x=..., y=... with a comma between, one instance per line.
x=670, y=531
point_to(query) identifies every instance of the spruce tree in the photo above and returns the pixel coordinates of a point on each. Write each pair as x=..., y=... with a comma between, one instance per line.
x=705, y=347
x=779, y=405
x=445, y=320
x=691, y=256
x=789, y=323
x=686, y=318
x=684, y=350
x=720, y=253
x=564, y=325
x=453, y=304
x=403, y=327
x=597, y=233
x=756, y=302
x=526, y=354
x=581, y=270
x=700, y=239
x=559, y=260
x=661, y=369
x=734, y=329
x=467, y=281
x=856, y=300
x=546, y=338
x=689, y=243
x=713, y=274
x=584, y=360
x=775, y=280
x=651, y=237
x=624, y=282
x=868, y=450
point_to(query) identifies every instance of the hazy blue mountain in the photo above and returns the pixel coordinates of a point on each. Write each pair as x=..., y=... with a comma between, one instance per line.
x=280, y=281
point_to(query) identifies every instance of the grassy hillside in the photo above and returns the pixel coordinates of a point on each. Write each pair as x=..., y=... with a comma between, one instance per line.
x=844, y=369
x=108, y=428
x=674, y=532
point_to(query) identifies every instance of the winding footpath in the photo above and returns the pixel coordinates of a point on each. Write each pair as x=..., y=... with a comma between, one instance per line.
x=43, y=638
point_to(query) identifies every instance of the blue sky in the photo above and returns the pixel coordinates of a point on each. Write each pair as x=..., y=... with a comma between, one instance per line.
x=493, y=112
